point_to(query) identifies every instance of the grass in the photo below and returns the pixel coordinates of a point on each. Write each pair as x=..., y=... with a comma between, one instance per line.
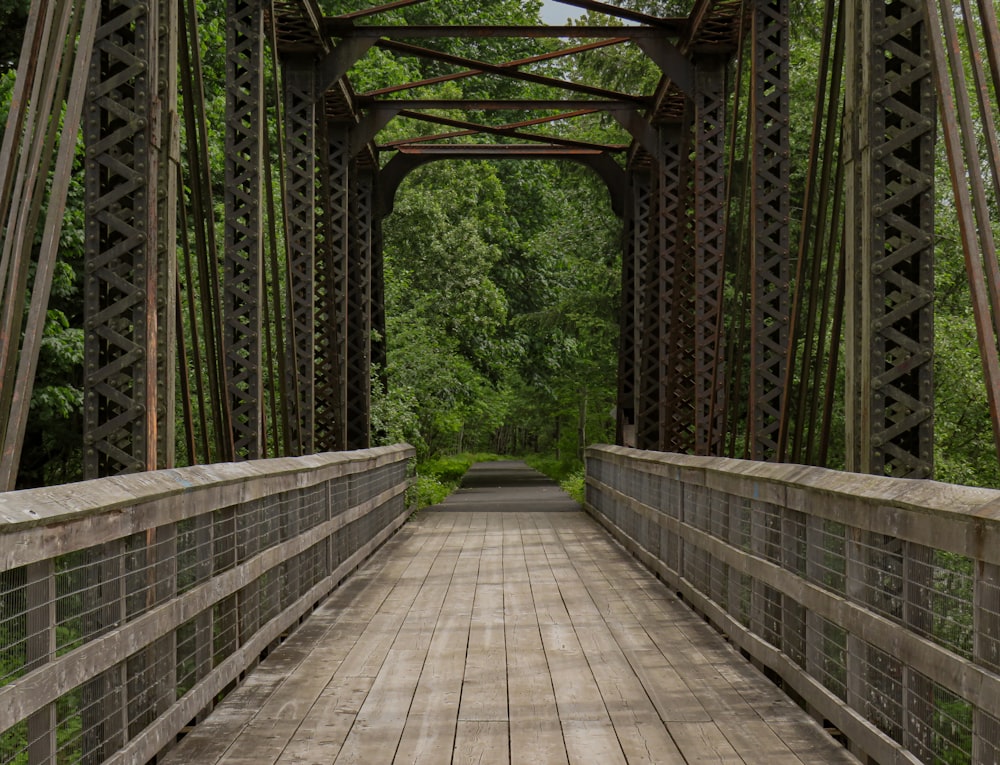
x=568, y=473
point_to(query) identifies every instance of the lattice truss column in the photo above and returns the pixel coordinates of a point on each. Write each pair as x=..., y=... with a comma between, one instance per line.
x=299, y=78
x=649, y=324
x=625, y=420
x=770, y=224
x=244, y=222
x=710, y=244
x=127, y=130
x=379, y=347
x=891, y=113
x=645, y=315
x=359, y=306
x=331, y=290
x=673, y=428
x=679, y=173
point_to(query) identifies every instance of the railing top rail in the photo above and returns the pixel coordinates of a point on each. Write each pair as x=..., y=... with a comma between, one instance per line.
x=958, y=519
x=107, y=507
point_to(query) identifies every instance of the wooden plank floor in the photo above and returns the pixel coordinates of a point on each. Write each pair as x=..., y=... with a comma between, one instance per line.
x=485, y=632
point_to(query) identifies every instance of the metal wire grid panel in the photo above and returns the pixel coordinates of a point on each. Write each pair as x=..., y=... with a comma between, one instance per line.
x=129, y=621
x=877, y=601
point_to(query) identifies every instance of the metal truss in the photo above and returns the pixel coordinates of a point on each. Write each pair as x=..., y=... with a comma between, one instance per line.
x=121, y=283
x=891, y=112
x=670, y=228
x=771, y=212
x=244, y=222
x=710, y=243
x=680, y=379
x=359, y=308
x=331, y=292
x=625, y=421
x=300, y=153
x=646, y=388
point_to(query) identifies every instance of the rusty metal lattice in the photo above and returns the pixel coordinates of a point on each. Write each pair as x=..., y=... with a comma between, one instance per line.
x=670, y=235
x=710, y=243
x=625, y=423
x=300, y=151
x=771, y=214
x=646, y=393
x=244, y=221
x=359, y=318
x=331, y=292
x=891, y=217
x=681, y=350
x=121, y=274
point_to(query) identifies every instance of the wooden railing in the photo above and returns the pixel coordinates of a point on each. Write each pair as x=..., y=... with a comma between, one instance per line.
x=129, y=605
x=874, y=601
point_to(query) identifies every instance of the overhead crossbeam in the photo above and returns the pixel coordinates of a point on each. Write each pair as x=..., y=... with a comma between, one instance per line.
x=505, y=71
x=668, y=27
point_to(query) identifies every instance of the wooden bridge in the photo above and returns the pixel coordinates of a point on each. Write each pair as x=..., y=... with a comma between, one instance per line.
x=208, y=612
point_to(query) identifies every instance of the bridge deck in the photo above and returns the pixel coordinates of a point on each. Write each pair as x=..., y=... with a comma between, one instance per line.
x=506, y=628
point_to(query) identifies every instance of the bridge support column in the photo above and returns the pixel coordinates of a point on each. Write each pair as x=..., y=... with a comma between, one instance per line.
x=129, y=262
x=359, y=303
x=770, y=224
x=710, y=241
x=380, y=348
x=331, y=291
x=890, y=131
x=646, y=310
x=244, y=223
x=299, y=77
x=627, y=355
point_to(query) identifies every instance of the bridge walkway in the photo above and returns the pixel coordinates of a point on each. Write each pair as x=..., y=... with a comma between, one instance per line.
x=505, y=626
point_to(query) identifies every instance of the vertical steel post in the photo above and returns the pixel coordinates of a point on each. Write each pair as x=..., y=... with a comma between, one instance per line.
x=300, y=153
x=380, y=347
x=244, y=222
x=670, y=237
x=771, y=304
x=122, y=132
x=710, y=242
x=681, y=390
x=625, y=420
x=359, y=318
x=331, y=292
x=891, y=127
x=646, y=311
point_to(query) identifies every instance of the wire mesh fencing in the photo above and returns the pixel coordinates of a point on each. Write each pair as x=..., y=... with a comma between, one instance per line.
x=129, y=605
x=875, y=600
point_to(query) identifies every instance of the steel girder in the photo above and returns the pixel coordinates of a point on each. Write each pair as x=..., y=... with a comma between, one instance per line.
x=627, y=355
x=646, y=388
x=680, y=370
x=331, y=291
x=891, y=127
x=359, y=307
x=670, y=229
x=301, y=172
x=771, y=304
x=710, y=244
x=380, y=358
x=244, y=223
x=127, y=357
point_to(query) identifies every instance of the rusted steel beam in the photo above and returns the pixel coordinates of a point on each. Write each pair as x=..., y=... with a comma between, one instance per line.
x=510, y=64
x=365, y=12
x=622, y=13
x=300, y=150
x=335, y=28
x=359, y=305
x=121, y=287
x=505, y=71
x=771, y=215
x=472, y=128
x=331, y=290
x=477, y=128
x=710, y=239
x=474, y=150
x=244, y=235
x=891, y=125
x=514, y=105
